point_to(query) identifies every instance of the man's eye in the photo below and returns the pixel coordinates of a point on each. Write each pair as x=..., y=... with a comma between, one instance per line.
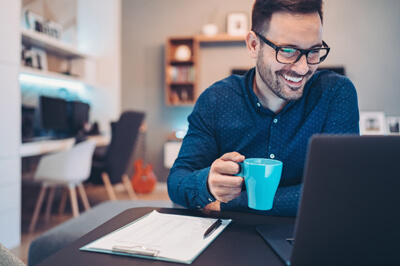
x=288, y=50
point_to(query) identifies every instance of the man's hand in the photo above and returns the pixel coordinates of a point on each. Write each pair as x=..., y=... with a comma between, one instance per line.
x=223, y=186
x=213, y=206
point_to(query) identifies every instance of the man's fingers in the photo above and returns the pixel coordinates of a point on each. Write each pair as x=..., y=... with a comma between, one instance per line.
x=226, y=167
x=223, y=185
x=227, y=181
x=233, y=156
x=225, y=191
x=226, y=198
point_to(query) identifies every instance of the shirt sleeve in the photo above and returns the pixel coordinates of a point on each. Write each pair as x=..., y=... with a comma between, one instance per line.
x=187, y=181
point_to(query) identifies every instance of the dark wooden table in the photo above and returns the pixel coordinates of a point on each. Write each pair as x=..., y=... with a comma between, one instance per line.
x=238, y=244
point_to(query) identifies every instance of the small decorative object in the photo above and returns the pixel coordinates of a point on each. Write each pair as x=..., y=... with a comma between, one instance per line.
x=144, y=179
x=37, y=23
x=34, y=57
x=237, y=24
x=183, y=53
x=39, y=59
x=209, y=29
x=393, y=125
x=372, y=123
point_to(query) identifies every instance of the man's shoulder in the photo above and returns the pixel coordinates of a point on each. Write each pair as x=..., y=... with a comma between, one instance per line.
x=328, y=79
x=327, y=83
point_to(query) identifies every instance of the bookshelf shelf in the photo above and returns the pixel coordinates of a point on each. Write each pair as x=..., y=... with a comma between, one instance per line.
x=182, y=66
x=58, y=58
x=50, y=44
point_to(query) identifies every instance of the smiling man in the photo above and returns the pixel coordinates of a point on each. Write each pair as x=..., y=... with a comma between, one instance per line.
x=270, y=112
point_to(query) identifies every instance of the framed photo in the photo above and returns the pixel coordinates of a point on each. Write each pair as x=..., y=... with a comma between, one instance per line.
x=372, y=123
x=237, y=24
x=393, y=125
x=35, y=22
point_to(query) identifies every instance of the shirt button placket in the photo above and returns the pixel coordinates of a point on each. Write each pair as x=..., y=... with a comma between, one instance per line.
x=275, y=121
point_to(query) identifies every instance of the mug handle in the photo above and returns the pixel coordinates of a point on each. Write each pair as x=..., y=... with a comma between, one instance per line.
x=241, y=170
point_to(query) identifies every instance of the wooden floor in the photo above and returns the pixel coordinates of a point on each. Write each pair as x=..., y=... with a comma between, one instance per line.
x=96, y=195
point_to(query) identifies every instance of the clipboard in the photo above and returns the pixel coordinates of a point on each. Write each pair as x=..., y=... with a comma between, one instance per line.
x=160, y=236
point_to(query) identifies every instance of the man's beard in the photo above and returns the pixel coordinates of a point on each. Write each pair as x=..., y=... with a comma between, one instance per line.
x=275, y=84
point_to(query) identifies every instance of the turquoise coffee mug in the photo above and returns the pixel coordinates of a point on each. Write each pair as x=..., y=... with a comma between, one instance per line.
x=262, y=177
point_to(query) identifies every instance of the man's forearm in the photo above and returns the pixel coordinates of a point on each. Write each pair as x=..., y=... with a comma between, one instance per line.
x=189, y=188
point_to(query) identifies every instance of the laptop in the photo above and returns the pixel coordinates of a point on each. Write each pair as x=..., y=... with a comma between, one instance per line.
x=349, y=212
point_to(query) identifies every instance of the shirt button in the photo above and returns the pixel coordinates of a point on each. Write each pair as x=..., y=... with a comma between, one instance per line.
x=210, y=200
x=275, y=120
x=272, y=156
x=198, y=207
x=258, y=104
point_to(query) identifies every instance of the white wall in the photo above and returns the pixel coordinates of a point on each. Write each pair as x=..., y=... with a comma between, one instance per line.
x=10, y=173
x=99, y=33
x=364, y=36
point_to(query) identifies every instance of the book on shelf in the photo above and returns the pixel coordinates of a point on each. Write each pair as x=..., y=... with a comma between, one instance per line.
x=182, y=74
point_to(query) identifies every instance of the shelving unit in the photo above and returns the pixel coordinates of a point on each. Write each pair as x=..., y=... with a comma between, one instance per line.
x=50, y=44
x=182, y=66
x=181, y=59
x=60, y=56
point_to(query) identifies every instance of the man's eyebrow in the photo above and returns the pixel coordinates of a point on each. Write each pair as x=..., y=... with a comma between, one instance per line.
x=297, y=47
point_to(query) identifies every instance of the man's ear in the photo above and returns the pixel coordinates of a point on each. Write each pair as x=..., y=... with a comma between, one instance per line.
x=252, y=44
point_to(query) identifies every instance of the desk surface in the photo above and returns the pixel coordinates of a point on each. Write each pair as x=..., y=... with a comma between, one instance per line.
x=46, y=146
x=239, y=244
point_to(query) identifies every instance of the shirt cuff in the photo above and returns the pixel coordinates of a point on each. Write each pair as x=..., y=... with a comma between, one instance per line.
x=204, y=195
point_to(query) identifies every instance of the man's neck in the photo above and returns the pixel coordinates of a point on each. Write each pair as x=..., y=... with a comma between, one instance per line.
x=267, y=98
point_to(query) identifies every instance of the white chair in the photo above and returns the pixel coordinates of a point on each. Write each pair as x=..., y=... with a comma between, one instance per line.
x=66, y=169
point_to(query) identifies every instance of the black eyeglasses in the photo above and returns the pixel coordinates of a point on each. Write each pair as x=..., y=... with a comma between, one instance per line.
x=290, y=55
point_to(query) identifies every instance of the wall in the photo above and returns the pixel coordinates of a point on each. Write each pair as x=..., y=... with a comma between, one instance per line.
x=361, y=34
x=357, y=31
x=10, y=166
x=99, y=33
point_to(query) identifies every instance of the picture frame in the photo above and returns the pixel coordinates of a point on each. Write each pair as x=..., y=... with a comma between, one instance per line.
x=35, y=22
x=393, y=125
x=372, y=123
x=39, y=58
x=237, y=24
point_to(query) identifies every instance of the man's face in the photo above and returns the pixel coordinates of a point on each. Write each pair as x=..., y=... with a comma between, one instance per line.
x=302, y=31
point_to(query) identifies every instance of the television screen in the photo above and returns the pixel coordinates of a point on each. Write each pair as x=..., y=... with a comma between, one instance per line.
x=54, y=114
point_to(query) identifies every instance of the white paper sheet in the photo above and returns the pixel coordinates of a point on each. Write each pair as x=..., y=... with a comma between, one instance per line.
x=175, y=237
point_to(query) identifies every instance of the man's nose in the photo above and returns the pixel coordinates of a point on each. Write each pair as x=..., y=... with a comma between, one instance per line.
x=301, y=67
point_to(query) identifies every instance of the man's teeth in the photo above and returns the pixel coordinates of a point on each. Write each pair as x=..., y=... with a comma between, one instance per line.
x=293, y=79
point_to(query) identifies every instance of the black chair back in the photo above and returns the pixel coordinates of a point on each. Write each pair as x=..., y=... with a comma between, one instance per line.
x=122, y=145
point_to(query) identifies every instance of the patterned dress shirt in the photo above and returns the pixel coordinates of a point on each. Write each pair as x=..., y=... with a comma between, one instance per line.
x=229, y=117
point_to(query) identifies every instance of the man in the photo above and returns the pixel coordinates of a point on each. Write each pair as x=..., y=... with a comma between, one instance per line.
x=270, y=112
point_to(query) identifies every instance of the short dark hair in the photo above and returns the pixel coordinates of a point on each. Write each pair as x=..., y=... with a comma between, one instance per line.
x=263, y=10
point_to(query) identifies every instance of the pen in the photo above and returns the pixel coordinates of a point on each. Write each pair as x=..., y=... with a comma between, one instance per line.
x=212, y=228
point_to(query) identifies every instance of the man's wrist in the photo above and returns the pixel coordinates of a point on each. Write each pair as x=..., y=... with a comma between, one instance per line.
x=205, y=196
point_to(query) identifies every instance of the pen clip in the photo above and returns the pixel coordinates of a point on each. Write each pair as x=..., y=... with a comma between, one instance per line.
x=138, y=249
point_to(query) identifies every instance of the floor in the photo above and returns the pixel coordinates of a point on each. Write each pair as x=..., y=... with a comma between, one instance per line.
x=96, y=195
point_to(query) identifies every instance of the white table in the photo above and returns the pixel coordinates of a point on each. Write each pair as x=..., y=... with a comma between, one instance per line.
x=47, y=146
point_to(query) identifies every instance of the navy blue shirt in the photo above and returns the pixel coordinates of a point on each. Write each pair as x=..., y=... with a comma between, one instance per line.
x=228, y=117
